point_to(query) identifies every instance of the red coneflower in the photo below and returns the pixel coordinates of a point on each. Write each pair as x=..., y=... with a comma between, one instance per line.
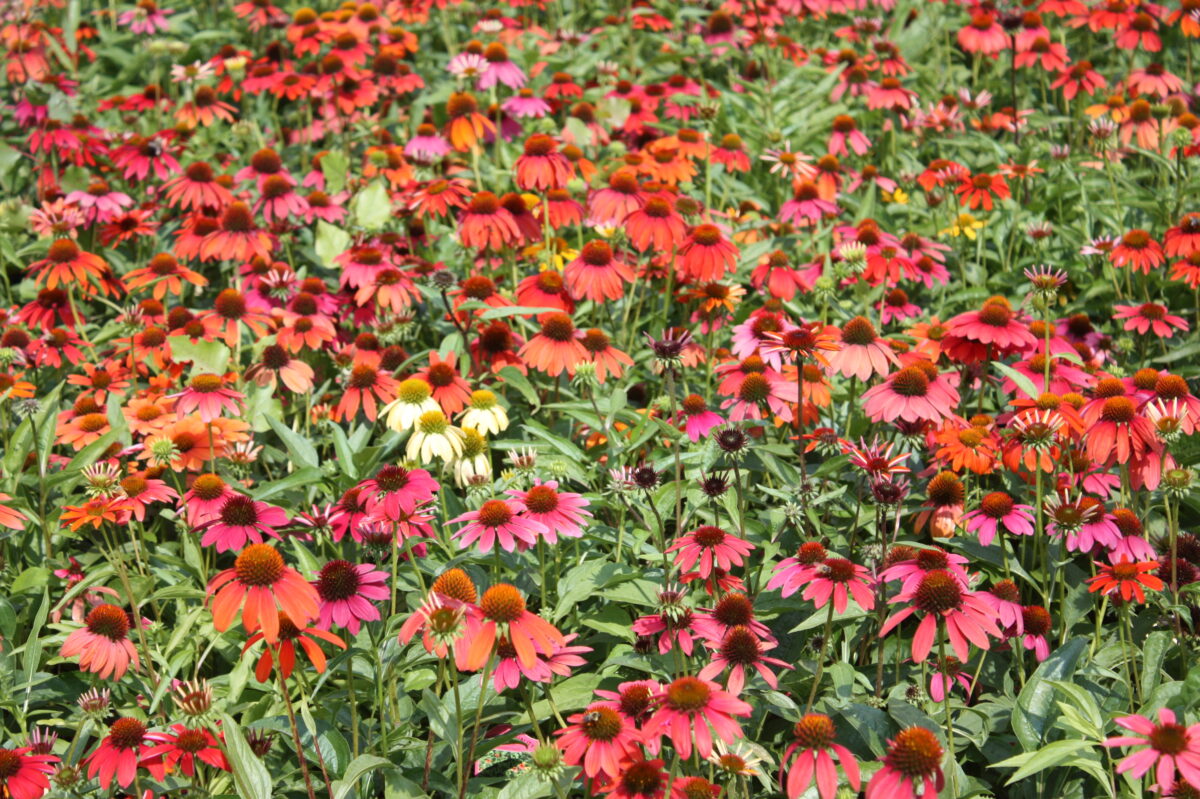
x=542, y=167
x=706, y=255
x=1137, y=250
x=556, y=348
x=657, y=225
x=237, y=237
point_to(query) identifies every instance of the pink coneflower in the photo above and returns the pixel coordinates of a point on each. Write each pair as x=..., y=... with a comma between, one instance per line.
x=756, y=389
x=949, y=671
x=913, y=756
x=995, y=510
x=1036, y=624
x=912, y=570
x=895, y=305
x=207, y=393
x=815, y=749
x=1005, y=599
x=99, y=202
x=697, y=419
x=807, y=205
x=862, y=352
x=279, y=200
x=942, y=597
x=498, y=520
x=346, y=591
x=499, y=69
x=600, y=740
x=504, y=614
x=23, y=775
x=1150, y=316
x=641, y=779
x=710, y=546
x=146, y=19
x=560, y=512
x=103, y=643
x=691, y=703
x=793, y=573
x=119, y=752
x=738, y=650
x=241, y=519
x=993, y=331
x=204, y=499
x=1170, y=748
x=838, y=579
x=912, y=394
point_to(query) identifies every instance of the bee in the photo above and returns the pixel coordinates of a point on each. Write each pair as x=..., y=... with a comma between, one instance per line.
x=591, y=717
x=154, y=148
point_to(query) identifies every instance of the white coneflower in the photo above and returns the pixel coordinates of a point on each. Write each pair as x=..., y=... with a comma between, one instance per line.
x=434, y=436
x=484, y=413
x=413, y=398
x=473, y=463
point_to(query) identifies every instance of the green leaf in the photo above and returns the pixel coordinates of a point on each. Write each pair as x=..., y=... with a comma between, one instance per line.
x=1049, y=756
x=206, y=356
x=252, y=778
x=1023, y=382
x=515, y=310
x=335, y=166
x=1035, y=704
x=33, y=577
x=359, y=767
x=373, y=206
x=525, y=786
x=298, y=446
x=1154, y=651
x=1081, y=709
x=33, y=644
x=345, y=455
x=512, y=376
x=331, y=242
x=307, y=476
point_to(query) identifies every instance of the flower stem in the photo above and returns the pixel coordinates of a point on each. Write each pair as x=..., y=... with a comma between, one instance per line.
x=953, y=781
x=812, y=694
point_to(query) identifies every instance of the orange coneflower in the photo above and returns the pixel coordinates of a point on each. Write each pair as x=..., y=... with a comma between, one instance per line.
x=237, y=237
x=67, y=264
x=556, y=348
x=467, y=126
x=258, y=586
x=164, y=273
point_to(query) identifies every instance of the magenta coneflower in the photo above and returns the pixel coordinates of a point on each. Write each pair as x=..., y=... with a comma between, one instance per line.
x=711, y=546
x=674, y=622
x=993, y=331
x=346, y=591
x=995, y=510
x=401, y=490
x=690, y=703
x=207, y=393
x=103, y=643
x=815, y=749
x=922, y=561
x=792, y=574
x=599, y=740
x=204, y=499
x=241, y=519
x=561, y=512
x=1170, y=747
x=498, y=520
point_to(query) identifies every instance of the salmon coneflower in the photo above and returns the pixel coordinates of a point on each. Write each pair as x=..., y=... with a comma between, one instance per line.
x=237, y=237
x=367, y=388
x=207, y=394
x=258, y=586
x=687, y=709
x=556, y=349
x=504, y=614
x=597, y=274
x=993, y=331
x=485, y=224
x=541, y=166
x=658, y=226
x=599, y=740
x=103, y=643
x=862, y=353
x=466, y=126
x=814, y=745
x=706, y=256
x=284, y=650
x=601, y=354
x=912, y=394
x=1150, y=317
x=914, y=757
x=1138, y=251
